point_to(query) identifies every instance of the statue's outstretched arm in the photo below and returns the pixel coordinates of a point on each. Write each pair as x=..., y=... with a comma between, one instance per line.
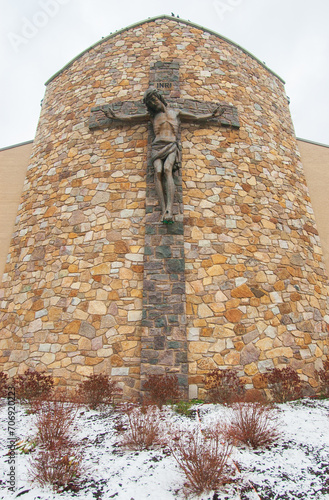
x=198, y=117
x=109, y=113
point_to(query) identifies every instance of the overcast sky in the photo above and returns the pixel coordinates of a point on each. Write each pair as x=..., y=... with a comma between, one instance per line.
x=38, y=37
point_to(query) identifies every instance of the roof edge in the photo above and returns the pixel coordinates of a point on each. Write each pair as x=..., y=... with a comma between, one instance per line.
x=16, y=145
x=149, y=20
x=313, y=142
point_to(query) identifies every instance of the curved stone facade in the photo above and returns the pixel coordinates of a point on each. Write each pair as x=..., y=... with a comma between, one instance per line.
x=256, y=294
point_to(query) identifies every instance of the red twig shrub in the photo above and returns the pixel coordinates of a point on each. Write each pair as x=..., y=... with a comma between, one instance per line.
x=33, y=385
x=3, y=384
x=203, y=457
x=284, y=385
x=54, y=422
x=162, y=389
x=59, y=468
x=224, y=386
x=323, y=377
x=253, y=424
x=57, y=460
x=143, y=427
x=97, y=391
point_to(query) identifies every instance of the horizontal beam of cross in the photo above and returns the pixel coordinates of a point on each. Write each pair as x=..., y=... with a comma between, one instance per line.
x=229, y=117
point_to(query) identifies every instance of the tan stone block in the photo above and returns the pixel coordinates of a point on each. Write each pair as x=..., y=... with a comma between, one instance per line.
x=108, y=249
x=206, y=364
x=198, y=347
x=72, y=327
x=215, y=270
x=219, y=360
x=85, y=371
x=314, y=302
x=267, y=224
x=55, y=365
x=48, y=358
x=307, y=338
x=261, y=277
x=318, y=352
x=218, y=259
x=69, y=348
x=204, y=311
x=73, y=268
x=54, y=313
x=135, y=315
x=94, y=361
x=97, y=307
x=251, y=369
x=265, y=344
x=84, y=344
x=126, y=345
x=218, y=346
x=18, y=356
x=220, y=296
x=104, y=268
x=280, y=351
x=125, y=274
x=84, y=287
x=232, y=304
x=217, y=308
x=279, y=286
x=196, y=234
x=116, y=360
x=232, y=358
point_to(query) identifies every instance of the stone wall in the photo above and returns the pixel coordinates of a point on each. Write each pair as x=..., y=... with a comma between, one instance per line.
x=256, y=294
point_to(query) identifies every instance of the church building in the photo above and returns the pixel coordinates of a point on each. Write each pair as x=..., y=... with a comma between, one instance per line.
x=179, y=238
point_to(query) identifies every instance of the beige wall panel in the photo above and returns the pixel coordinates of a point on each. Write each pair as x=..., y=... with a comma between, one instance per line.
x=13, y=165
x=315, y=159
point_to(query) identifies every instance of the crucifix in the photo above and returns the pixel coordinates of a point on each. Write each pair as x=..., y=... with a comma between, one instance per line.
x=165, y=117
x=164, y=346
x=165, y=147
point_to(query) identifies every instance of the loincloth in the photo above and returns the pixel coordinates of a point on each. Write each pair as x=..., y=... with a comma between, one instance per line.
x=161, y=150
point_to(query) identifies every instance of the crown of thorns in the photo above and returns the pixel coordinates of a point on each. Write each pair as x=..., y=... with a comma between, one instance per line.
x=153, y=92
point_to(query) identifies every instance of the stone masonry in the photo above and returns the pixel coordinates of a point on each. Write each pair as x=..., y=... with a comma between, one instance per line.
x=249, y=290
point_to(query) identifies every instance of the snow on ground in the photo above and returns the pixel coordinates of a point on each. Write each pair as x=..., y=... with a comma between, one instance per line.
x=296, y=467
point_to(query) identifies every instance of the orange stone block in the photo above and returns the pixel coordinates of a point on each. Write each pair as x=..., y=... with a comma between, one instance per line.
x=259, y=381
x=242, y=292
x=233, y=315
x=50, y=212
x=72, y=327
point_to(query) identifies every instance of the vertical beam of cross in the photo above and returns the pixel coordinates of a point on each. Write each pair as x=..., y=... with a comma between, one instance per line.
x=164, y=340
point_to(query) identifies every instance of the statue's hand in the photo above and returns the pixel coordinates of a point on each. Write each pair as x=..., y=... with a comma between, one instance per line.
x=218, y=111
x=109, y=113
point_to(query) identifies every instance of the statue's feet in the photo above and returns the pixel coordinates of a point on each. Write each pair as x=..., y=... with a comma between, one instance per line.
x=167, y=217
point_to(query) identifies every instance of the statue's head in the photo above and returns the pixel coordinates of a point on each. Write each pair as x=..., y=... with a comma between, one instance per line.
x=149, y=97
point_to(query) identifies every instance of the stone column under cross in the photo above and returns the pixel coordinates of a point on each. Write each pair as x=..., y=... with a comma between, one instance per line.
x=164, y=337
